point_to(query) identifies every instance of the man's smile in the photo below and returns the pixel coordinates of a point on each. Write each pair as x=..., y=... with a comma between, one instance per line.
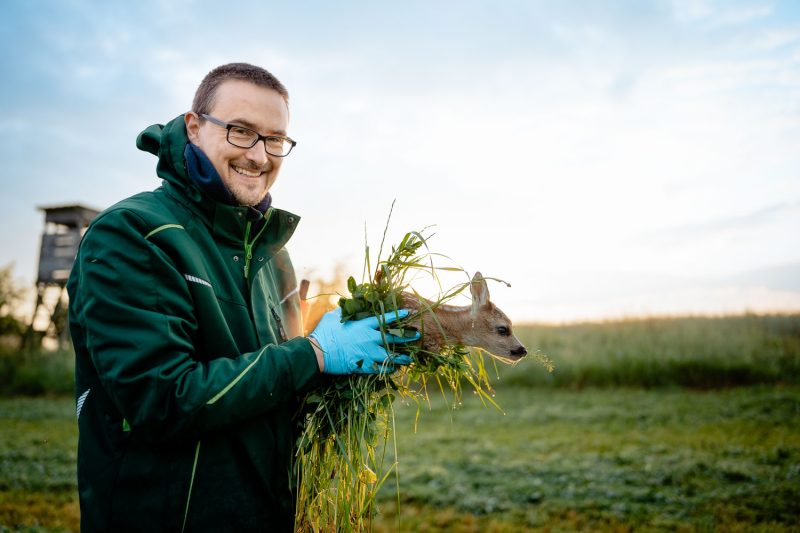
x=247, y=173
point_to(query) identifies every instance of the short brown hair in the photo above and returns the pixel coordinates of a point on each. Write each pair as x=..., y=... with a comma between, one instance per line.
x=204, y=97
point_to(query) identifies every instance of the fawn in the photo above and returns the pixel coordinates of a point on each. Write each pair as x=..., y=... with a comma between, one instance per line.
x=481, y=325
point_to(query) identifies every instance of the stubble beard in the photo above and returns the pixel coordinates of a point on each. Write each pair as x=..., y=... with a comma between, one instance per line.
x=248, y=195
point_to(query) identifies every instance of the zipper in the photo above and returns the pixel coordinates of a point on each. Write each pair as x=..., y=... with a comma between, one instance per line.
x=248, y=246
x=248, y=249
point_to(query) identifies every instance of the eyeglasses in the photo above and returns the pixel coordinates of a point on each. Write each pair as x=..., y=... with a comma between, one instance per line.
x=241, y=137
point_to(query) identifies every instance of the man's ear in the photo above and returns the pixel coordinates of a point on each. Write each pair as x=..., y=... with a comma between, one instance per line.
x=192, y=122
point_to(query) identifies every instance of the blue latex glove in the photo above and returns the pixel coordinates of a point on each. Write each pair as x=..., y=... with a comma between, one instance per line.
x=356, y=346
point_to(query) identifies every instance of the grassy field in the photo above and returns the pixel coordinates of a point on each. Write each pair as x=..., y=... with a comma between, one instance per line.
x=38, y=451
x=686, y=424
x=610, y=459
x=696, y=352
x=557, y=460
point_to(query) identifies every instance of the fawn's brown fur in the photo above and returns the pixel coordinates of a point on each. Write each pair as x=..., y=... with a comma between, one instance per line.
x=481, y=324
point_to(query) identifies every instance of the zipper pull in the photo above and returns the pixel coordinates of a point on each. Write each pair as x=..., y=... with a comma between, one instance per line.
x=248, y=255
x=248, y=250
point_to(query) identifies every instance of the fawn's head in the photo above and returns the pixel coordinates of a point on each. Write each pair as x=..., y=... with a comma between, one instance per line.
x=490, y=328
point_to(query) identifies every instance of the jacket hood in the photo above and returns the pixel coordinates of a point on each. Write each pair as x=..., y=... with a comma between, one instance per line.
x=167, y=142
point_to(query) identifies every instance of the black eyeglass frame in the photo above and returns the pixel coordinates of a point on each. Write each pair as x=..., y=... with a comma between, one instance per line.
x=228, y=126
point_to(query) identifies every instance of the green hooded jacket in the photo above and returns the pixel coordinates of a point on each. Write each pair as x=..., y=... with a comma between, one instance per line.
x=185, y=385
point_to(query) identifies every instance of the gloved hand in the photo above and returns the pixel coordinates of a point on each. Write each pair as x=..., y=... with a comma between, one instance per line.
x=356, y=347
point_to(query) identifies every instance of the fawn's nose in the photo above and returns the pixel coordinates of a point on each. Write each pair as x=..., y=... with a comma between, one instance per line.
x=519, y=351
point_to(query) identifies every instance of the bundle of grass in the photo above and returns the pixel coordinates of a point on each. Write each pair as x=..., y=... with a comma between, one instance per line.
x=345, y=425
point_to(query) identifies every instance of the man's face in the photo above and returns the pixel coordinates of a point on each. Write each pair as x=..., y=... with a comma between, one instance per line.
x=247, y=172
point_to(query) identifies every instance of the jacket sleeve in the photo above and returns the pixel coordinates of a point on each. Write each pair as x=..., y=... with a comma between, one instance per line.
x=137, y=314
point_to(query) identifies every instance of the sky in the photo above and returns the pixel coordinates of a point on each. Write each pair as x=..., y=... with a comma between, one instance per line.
x=607, y=159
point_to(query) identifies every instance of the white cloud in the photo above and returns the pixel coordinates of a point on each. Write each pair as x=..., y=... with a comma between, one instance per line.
x=721, y=12
x=776, y=38
x=691, y=10
x=741, y=15
x=702, y=301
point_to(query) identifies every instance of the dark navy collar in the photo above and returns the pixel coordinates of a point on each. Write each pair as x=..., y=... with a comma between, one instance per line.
x=206, y=178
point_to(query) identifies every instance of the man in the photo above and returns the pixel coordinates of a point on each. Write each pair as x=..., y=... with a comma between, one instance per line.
x=185, y=320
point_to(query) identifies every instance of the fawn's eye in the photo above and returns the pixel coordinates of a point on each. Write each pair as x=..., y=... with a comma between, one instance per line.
x=502, y=330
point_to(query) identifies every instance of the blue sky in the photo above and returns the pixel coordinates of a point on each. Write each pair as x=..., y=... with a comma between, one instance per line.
x=606, y=158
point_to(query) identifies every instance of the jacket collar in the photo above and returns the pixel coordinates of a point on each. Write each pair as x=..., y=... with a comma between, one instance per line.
x=229, y=223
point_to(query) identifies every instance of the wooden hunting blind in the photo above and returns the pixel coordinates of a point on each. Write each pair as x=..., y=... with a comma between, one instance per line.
x=64, y=226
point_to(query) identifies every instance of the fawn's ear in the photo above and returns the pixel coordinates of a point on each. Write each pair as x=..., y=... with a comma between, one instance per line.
x=480, y=292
